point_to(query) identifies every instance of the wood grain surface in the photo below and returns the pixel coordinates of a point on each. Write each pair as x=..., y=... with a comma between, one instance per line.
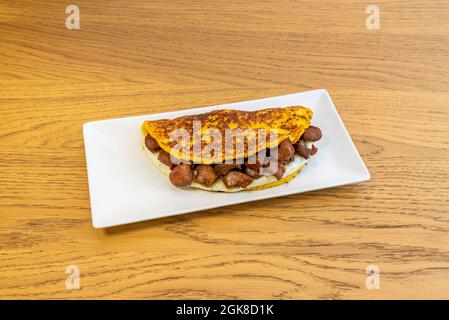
x=391, y=87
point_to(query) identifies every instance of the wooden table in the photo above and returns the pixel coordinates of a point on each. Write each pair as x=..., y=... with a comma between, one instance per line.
x=391, y=87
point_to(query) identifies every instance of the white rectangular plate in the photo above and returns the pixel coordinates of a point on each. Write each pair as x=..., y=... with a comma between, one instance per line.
x=125, y=187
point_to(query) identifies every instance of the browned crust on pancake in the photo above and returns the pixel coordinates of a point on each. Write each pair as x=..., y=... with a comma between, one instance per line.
x=290, y=122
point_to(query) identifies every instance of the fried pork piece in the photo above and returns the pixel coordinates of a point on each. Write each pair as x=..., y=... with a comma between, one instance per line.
x=280, y=171
x=302, y=149
x=312, y=133
x=313, y=150
x=253, y=173
x=254, y=164
x=236, y=179
x=286, y=151
x=181, y=176
x=166, y=159
x=151, y=143
x=206, y=175
x=222, y=169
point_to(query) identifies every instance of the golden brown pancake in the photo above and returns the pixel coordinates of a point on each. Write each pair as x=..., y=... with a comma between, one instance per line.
x=289, y=122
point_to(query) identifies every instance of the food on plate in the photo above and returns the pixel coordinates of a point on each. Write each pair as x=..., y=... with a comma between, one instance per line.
x=232, y=150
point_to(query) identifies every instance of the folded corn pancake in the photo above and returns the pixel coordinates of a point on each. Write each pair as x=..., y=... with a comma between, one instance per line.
x=290, y=123
x=273, y=148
